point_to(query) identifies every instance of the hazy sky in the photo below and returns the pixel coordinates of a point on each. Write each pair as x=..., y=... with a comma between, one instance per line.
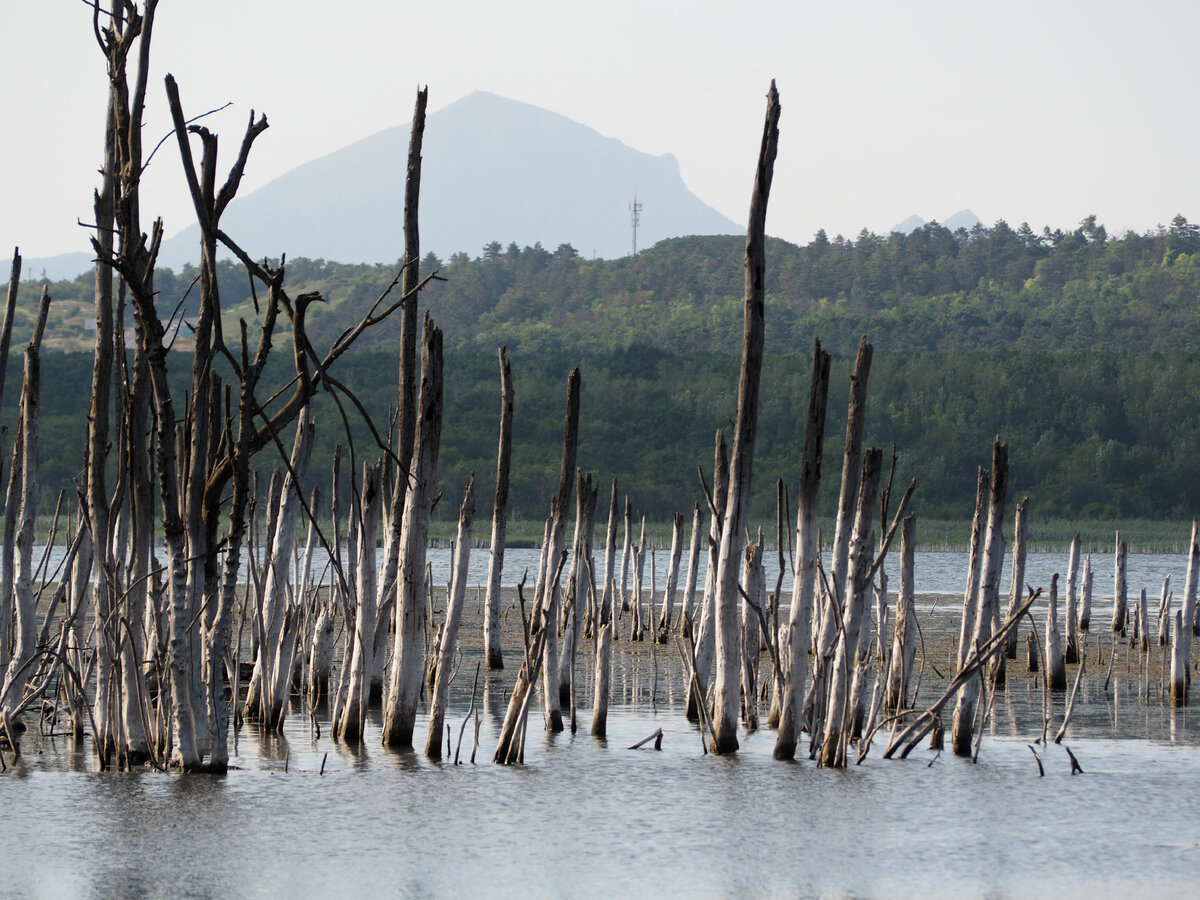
x=1029, y=111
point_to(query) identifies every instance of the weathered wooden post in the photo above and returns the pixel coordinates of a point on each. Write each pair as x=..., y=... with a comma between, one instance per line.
x=1164, y=613
x=1056, y=671
x=493, y=652
x=725, y=699
x=1120, y=601
x=989, y=591
x=799, y=628
x=1179, y=673
x=1085, y=595
x=1071, y=651
x=454, y=605
x=1016, y=587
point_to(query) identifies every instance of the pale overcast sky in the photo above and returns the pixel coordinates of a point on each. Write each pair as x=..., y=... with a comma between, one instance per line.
x=1029, y=111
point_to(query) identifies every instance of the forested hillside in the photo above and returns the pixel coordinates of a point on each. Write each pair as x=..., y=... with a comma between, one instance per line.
x=1077, y=348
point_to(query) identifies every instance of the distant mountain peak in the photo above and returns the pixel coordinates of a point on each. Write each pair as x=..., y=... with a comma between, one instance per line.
x=964, y=218
x=494, y=169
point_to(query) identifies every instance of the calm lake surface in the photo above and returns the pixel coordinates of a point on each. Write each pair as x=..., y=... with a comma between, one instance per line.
x=584, y=818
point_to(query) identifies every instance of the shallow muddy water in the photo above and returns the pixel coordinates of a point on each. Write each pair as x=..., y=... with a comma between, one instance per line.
x=588, y=818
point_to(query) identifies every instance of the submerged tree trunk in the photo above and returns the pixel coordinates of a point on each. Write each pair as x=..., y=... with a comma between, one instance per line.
x=837, y=716
x=799, y=628
x=408, y=657
x=667, y=615
x=493, y=652
x=1085, y=595
x=725, y=700
x=454, y=605
x=1071, y=650
x=967, y=626
x=1056, y=671
x=1120, y=597
x=361, y=651
x=697, y=693
x=1016, y=588
x=989, y=596
x=905, y=633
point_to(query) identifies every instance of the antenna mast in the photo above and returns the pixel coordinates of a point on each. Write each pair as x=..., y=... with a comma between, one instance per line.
x=635, y=212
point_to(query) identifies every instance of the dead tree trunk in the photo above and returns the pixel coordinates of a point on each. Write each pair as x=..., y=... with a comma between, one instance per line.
x=20, y=666
x=799, y=628
x=837, y=711
x=667, y=615
x=493, y=651
x=1189, y=610
x=752, y=603
x=829, y=614
x=1085, y=595
x=1017, y=582
x=1071, y=650
x=989, y=596
x=1179, y=673
x=545, y=595
x=1056, y=670
x=725, y=700
x=454, y=605
x=967, y=626
x=1120, y=597
x=281, y=619
x=697, y=693
x=693, y=573
x=408, y=658
x=581, y=554
x=609, y=595
x=905, y=633
x=353, y=712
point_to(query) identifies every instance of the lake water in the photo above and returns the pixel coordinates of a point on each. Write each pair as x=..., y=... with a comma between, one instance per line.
x=584, y=818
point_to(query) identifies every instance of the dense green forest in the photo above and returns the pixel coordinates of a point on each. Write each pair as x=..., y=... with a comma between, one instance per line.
x=1077, y=348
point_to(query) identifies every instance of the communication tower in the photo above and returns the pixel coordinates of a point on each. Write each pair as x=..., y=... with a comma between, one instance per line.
x=635, y=212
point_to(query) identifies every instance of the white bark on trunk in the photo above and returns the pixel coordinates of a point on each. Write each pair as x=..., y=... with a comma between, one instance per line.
x=586, y=495
x=666, y=617
x=828, y=614
x=989, y=595
x=1179, y=674
x=1071, y=650
x=1164, y=614
x=493, y=651
x=752, y=581
x=799, y=627
x=408, y=657
x=1189, y=610
x=1016, y=587
x=1120, y=599
x=353, y=719
x=905, y=633
x=837, y=713
x=1085, y=595
x=20, y=666
x=693, y=573
x=970, y=613
x=454, y=605
x=609, y=600
x=282, y=611
x=698, y=692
